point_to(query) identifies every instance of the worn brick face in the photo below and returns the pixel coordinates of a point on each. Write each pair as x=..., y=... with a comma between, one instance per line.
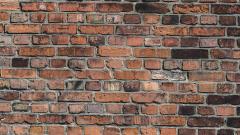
x=119, y=67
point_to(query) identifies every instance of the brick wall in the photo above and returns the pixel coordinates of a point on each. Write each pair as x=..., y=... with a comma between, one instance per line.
x=130, y=67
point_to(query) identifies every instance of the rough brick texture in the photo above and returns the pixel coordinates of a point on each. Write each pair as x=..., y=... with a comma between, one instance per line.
x=119, y=67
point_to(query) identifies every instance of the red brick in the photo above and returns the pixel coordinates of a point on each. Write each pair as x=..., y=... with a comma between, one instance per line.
x=19, y=130
x=206, y=32
x=5, y=107
x=4, y=16
x=38, y=6
x=40, y=40
x=190, y=8
x=111, y=131
x=57, y=18
x=132, y=30
x=76, y=108
x=76, y=51
x=74, y=131
x=74, y=6
x=112, y=97
x=23, y=28
x=114, y=51
x=55, y=119
x=53, y=130
x=39, y=107
x=130, y=131
x=38, y=130
x=19, y=118
x=168, y=109
x=151, y=53
x=9, y=5
x=38, y=96
x=114, y=7
x=134, y=64
x=132, y=19
x=75, y=96
x=60, y=39
x=37, y=17
x=190, y=99
x=54, y=74
x=93, y=130
x=150, y=109
x=170, y=31
x=207, y=76
x=151, y=19
x=74, y=18
x=148, y=97
x=59, y=29
x=90, y=29
x=98, y=74
x=168, y=121
x=36, y=51
x=168, y=131
x=132, y=75
x=78, y=40
x=18, y=73
x=225, y=111
x=135, y=41
x=93, y=119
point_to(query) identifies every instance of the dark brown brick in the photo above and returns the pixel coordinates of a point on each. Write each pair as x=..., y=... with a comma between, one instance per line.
x=189, y=53
x=233, y=122
x=205, y=122
x=131, y=86
x=152, y=8
x=19, y=62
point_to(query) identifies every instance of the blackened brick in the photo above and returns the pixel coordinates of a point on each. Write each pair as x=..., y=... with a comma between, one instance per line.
x=205, y=122
x=225, y=132
x=186, y=110
x=233, y=122
x=189, y=53
x=19, y=62
x=131, y=86
x=152, y=8
x=170, y=19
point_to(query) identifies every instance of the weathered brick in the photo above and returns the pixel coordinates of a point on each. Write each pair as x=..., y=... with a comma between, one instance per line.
x=112, y=97
x=189, y=99
x=92, y=119
x=75, y=96
x=207, y=76
x=132, y=30
x=160, y=8
x=205, y=32
x=205, y=122
x=190, y=8
x=114, y=7
x=59, y=29
x=76, y=51
x=225, y=9
x=37, y=6
x=168, y=121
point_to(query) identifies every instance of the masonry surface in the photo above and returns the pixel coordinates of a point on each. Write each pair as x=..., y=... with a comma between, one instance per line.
x=120, y=67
